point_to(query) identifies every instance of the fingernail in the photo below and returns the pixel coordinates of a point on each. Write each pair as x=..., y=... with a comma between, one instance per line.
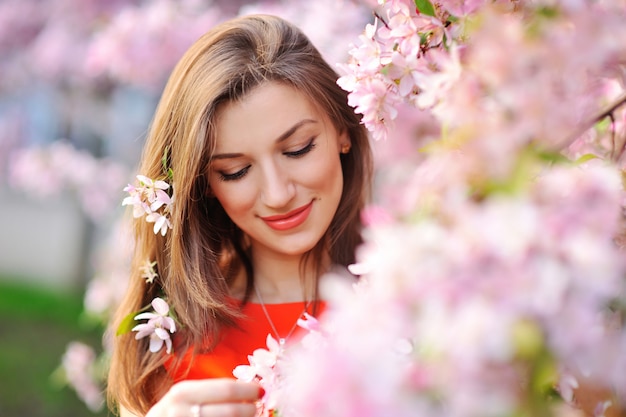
x=261, y=392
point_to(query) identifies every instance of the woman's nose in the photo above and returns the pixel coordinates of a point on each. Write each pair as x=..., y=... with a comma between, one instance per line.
x=277, y=189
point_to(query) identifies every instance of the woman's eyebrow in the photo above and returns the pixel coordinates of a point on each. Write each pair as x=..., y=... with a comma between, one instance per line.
x=293, y=129
x=282, y=137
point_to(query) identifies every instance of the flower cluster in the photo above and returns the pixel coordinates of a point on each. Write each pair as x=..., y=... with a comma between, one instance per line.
x=402, y=57
x=490, y=269
x=119, y=49
x=79, y=368
x=482, y=300
x=262, y=369
x=53, y=170
x=265, y=365
x=158, y=327
x=161, y=321
x=150, y=198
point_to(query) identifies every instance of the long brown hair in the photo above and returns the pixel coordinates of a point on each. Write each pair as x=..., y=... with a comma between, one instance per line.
x=197, y=259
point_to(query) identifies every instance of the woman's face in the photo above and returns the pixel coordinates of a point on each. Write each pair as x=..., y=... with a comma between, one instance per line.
x=276, y=169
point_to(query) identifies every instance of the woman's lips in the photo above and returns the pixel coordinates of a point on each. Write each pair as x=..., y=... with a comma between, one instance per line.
x=289, y=220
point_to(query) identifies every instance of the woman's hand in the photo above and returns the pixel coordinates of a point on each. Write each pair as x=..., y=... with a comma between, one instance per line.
x=208, y=398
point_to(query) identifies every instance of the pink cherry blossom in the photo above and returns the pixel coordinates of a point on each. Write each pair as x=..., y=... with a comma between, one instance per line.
x=79, y=365
x=49, y=171
x=309, y=323
x=112, y=261
x=263, y=369
x=149, y=199
x=161, y=223
x=135, y=198
x=158, y=325
x=154, y=189
x=496, y=250
x=485, y=248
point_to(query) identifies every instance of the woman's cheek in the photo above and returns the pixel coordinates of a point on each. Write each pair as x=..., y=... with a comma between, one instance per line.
x=236, y=198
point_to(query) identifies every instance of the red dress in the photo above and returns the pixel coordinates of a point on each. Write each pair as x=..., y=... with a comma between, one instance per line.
x=237, y=343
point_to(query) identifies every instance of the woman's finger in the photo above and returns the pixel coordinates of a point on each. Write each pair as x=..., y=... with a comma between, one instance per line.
x=223, y=410
x=214, y=391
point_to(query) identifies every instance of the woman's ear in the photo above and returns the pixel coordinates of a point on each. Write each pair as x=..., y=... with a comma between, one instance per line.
x=344, y=143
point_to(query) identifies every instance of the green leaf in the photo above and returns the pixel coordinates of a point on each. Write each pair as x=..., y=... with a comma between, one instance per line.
x=586, y=157
x=164, y=158
x=544, y=375
x=425, y=7
x=165, y=164
x=127, y=324
x=548, y=12
x=527, y=339
x=551, y=157
x=603, y=125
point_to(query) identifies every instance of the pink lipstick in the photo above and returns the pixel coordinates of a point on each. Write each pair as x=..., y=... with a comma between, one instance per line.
x=289, y=220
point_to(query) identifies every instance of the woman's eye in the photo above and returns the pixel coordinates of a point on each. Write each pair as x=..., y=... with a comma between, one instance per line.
x=235, y=175
x=302, y=151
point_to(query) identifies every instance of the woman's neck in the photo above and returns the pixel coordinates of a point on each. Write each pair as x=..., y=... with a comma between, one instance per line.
x=283, y=279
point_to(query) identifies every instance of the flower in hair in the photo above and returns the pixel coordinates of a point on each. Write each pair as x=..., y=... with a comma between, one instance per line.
x=148, y=271
x=150, y=198
x=158, y=327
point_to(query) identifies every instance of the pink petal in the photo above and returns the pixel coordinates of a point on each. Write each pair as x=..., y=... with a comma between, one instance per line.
x=168, y=323
x=163, y=197
x=152, y=217
x=161, y=185
x=161, y=223
x=155, y=344
x=244, y=373
x=139, y=210
x=144, y=180
x=161, y=334
x=309, y=323
x=143, y=332
x=272, y=343
x=156, y=205
x=158, y=225
x=160, y=306
x=263, y=358
x=145, y=316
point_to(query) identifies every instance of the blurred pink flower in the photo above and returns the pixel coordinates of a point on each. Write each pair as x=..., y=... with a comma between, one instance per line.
x=45, y=172
x=330, y=24
x=309, y=323
x=112, y=261
x=156, y=32
x=79, y=365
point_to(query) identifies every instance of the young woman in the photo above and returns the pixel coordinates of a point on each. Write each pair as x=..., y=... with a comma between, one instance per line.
x=269, y=168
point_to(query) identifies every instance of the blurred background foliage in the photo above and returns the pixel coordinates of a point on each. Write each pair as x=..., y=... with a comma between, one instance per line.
x=37, y=325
